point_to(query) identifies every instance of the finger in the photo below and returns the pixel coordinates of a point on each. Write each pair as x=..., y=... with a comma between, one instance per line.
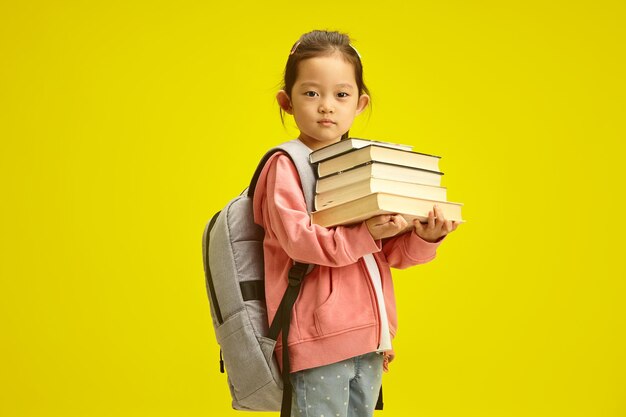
x=431, y=219
x=419, y=226
x=383, y=218
x=393, y=220
x=389, y=229
x=380, y=219
x=392, y=223
x=400, y=221
x=439, y=215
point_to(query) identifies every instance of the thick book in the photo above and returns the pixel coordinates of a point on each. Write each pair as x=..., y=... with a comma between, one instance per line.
x=374, y=153
x=381, y=203
x=378, y=170
x=377, y=185
x=347, y=145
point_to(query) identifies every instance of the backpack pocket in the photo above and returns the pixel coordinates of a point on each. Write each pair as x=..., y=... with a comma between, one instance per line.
x=249, y=361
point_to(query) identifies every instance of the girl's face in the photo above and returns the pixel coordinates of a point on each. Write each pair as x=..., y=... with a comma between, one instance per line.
x=324, y=100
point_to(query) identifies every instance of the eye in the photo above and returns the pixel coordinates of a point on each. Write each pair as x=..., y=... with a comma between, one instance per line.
x=342, y=95
x=310, y=94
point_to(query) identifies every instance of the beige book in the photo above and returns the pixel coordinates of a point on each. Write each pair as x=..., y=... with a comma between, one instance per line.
x=378, y=154
x=374, y=185
x=378, y=170
x=347, y=145
x=381, y=203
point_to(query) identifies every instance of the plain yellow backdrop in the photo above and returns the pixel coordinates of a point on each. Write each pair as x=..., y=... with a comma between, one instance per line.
x=125, y=125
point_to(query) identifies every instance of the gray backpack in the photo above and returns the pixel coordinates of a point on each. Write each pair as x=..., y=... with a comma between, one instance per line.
x=234, y=272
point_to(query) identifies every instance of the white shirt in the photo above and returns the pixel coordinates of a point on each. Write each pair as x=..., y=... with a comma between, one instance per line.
x=385, y=336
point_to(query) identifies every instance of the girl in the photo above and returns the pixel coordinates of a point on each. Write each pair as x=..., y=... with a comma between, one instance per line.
x=345, y=316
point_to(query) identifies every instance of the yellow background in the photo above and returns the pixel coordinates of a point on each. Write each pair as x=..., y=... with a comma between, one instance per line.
x=125, y=125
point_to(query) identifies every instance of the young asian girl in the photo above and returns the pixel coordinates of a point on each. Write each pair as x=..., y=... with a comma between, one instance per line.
x=344, y=319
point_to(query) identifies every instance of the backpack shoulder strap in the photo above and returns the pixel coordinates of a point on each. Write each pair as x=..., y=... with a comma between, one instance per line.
x=299, y=153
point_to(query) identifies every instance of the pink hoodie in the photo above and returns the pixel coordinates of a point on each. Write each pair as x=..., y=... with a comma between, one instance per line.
x=336, y=314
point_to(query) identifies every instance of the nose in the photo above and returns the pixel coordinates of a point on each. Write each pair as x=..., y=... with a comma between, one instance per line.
x=326, y=106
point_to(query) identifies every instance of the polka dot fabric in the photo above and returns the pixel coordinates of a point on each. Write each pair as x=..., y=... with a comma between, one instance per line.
x=348, y=388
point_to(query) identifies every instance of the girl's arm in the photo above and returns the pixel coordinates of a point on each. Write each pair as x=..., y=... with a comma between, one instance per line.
x=419, y=245
x=285, y=217
x=408, y=249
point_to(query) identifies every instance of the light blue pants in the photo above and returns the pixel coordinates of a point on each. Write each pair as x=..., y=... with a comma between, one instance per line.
x=348, y=388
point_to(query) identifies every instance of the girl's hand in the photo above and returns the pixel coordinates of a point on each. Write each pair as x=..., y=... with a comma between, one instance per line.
x=437, y=226
x=387, y=358
x=385, y=225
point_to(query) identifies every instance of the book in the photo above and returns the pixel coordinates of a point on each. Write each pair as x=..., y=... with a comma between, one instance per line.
x=382, y=203
x=378, y=170
x=374, y=153
x=374, y=185
x=349, y=144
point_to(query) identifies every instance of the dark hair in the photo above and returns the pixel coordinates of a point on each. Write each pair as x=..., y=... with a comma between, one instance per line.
x=322, y=43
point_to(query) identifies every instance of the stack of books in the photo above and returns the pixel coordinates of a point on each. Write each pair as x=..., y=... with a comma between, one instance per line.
x=359, y=179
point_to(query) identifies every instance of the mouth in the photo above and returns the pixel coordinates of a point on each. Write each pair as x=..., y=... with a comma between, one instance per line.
x=326, y=122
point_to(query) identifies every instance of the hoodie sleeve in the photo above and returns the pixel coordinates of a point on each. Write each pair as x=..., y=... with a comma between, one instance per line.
x=280, y=207
x=408, y=249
